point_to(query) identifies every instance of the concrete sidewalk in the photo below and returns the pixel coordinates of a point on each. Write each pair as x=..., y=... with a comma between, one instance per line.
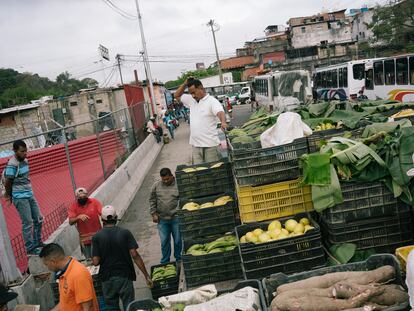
x=137, y=218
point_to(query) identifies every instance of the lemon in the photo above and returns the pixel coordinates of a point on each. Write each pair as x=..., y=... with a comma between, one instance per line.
x=304, y=221
x=290, y=225
x=275, y=224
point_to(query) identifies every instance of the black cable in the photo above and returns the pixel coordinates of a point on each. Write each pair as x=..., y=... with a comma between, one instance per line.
x=116, y=9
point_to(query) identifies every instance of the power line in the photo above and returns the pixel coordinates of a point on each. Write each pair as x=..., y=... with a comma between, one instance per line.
x=90, y=72
x=118, y=10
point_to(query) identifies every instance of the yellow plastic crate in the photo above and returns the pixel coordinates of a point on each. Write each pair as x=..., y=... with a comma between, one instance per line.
x=273, y=201
x=402, y=255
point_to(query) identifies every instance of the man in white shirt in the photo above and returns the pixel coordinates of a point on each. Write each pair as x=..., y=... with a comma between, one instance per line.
x=205, y=112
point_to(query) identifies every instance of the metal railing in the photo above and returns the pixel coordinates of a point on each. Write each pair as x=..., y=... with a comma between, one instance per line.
x=67, y=157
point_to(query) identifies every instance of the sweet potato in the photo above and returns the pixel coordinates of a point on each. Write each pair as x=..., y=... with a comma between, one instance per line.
x=303, y=300
x=380, y=275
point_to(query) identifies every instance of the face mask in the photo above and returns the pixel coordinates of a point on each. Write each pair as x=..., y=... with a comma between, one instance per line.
x=82, y=201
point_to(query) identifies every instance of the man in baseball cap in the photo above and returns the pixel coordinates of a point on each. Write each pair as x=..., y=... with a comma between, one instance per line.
x=85, y=212
x=116, y=250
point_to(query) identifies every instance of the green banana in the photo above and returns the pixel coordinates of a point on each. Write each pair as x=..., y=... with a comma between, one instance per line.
x=216, y=244
x=195, y=247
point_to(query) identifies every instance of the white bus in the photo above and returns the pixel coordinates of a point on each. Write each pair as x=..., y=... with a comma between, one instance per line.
x=379, y=78
x=283, y=90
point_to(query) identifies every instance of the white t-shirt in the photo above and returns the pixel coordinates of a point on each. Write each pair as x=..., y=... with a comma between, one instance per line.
x=203, y=120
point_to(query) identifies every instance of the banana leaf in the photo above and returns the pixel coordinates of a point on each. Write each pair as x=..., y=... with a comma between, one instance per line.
x=392, y=105
x=400, y=159
x=316, y=169
x=385, y=127
x=347, y=253
x=319, y=109
x=327, y=196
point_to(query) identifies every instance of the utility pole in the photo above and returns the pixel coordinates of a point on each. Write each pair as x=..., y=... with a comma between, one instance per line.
x=118, y=59
x=145, y=56
x=212, y=25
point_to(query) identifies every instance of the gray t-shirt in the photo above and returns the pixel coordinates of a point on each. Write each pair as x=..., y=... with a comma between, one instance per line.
x=18, y=172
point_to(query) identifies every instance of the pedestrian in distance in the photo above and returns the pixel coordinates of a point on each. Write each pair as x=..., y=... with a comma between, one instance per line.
x=151, y=128
x=85, y=213
x=168, y=121
x=205, y=112
x=76, y=291
x=5, y=297
x=116, y=250
x=163, y=209
x=18, y=190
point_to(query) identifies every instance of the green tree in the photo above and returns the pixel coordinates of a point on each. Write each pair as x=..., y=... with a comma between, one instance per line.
x=199, y=74
x=393, y=25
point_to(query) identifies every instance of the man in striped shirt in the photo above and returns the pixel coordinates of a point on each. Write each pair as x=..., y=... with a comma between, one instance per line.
x=19, y=191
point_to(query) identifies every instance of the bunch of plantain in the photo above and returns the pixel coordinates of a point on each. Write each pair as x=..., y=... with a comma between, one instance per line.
x=193, y=206
x=325, y=126
x=224, y=244
x=164, y=272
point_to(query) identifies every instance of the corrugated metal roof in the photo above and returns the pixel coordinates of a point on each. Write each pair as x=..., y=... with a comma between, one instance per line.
x=20, y=107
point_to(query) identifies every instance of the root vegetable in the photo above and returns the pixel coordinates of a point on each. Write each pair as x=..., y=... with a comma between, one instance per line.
x=302, y=301
x=380, y=275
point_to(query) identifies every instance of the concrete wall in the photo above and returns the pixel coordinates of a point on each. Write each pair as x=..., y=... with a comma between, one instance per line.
x=360, y=30
x=118, y=190
x=314, y=34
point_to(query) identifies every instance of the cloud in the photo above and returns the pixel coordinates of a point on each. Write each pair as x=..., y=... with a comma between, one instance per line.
x=50, y=36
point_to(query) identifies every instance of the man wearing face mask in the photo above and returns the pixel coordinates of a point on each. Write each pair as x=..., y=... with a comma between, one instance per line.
x=85, y=213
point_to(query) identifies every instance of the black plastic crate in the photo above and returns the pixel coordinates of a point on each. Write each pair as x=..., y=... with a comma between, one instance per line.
x=168, y=286
x=290, y=255
x=210, y=268
x=207, y=221
x=314, y=140
x=271, y=283
x=380, y=234
x=146, y=304
x=149, y=304
x=253, y=167
x=364, y=201
x=205, y=182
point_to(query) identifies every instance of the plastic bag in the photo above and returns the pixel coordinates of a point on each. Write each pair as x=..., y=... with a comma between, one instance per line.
x=289, y=126
x=245, y=299
x=196, y=296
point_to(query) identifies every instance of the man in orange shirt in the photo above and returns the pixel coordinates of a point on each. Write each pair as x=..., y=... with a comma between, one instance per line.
x=85, y=213
x=76, y=292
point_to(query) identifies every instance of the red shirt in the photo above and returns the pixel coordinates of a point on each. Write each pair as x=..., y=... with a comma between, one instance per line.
x=93, y=208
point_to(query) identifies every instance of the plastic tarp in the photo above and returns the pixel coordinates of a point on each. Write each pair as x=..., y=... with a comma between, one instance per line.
x=289, y=126
x=245, y=299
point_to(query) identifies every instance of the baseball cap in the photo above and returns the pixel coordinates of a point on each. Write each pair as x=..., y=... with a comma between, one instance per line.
x=108, y=210
x=80, y=191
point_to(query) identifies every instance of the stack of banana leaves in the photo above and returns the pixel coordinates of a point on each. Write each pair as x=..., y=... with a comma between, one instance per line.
x=220, y=245
x=250, y=132
x=384, y=153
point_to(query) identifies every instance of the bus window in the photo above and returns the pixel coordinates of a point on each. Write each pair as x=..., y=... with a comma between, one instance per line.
x=359, y=71
x=369, y=79
x=389, y=69
x=341, y=77
x=379, y=73
x=329, y=79
x=412, y=70
x=402, y=71
x=335, y=78
x=323, y=80
x=345, y=73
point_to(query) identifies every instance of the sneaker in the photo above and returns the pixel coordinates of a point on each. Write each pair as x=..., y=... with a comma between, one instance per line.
x=34, y=252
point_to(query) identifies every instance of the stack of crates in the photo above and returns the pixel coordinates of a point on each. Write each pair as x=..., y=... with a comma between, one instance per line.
x=369, y=217
x=268, y=187
x=205, y=183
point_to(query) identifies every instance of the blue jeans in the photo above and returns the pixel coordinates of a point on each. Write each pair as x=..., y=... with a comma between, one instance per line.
x=115, y=289
x=171, y=130
x=166, y=228
x=32, y=221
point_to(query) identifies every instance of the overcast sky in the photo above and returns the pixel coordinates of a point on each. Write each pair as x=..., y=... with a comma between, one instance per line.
x=50, y=36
